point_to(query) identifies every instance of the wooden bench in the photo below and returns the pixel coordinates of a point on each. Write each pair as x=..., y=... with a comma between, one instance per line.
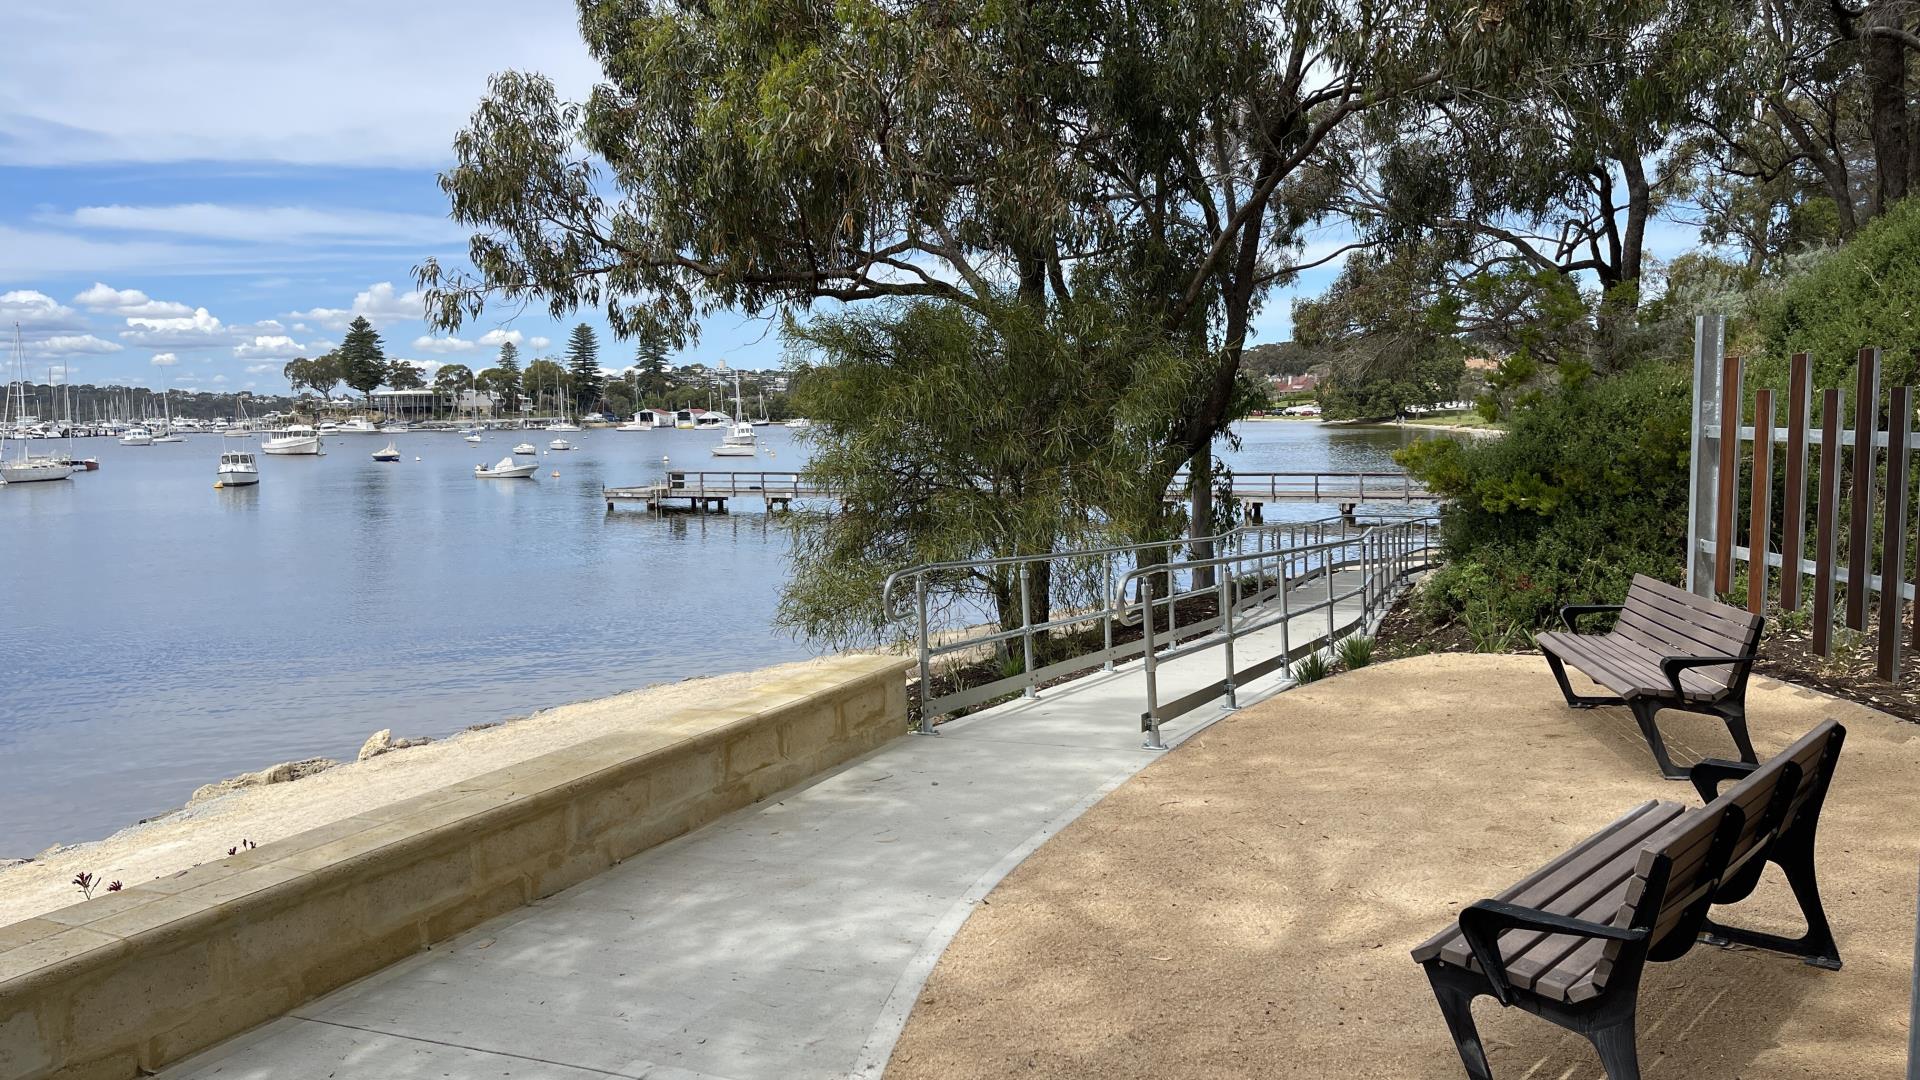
x=1669, y=649
x=1568, y=942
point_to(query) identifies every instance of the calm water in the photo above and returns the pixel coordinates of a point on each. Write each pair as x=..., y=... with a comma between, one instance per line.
x=160, y=634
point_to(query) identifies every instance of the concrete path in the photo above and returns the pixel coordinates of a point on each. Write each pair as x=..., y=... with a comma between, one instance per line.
x=788, y=940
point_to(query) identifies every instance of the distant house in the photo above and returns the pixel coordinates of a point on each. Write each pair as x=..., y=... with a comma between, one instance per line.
x=1292, y=384
x=1482, y=363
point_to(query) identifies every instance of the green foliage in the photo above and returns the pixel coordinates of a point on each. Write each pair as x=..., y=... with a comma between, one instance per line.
x=1312, y=668
x=583, y=368
x=1865, y=293
x=362, y=363
x=1355, y=652
x=453, y=378
x=403, y=375
x=651, y=379
x=1587, y=488
x=546, y=384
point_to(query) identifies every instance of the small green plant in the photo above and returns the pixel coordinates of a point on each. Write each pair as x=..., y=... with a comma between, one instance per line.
x=1312, y=668
x=1356, y=652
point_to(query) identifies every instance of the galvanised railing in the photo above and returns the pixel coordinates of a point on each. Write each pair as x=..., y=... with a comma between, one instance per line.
x=1256, y=590
x=1295, y=550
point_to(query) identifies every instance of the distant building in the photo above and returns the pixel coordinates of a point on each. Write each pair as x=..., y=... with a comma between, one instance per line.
x=1292, y=384
x=1482, y=363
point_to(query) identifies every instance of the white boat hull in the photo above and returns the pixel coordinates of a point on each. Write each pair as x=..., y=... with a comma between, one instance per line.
x=239, y=479
x=35, y=470
x=516, y=472
x=734, y=451
x=307, y=445
x=136, y=440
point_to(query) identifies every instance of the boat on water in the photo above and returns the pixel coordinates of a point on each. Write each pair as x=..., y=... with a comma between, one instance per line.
x=473, y=437
x=242, y=426
x=237, y=469
x=525, y=448
x=359, y=425
x=395, y=427
x=560, y=444
x=21, y=467
x=137, y=437
x=389, y=452
x=506, y=469
x=330, y=428
x=739, y=440
x=298, y=439
x=799, y=422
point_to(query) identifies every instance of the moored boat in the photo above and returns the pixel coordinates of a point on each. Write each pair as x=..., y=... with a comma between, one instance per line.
x=559, y=444
x=525, y=448
x=298, y=439
x=506, y=469
x=389, y=452
x=237, y=469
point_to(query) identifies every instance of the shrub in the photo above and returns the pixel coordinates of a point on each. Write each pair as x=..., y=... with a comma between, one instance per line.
x=1356, y=652
x=1865, y=293
x=1587, y=488
x=1311, y=668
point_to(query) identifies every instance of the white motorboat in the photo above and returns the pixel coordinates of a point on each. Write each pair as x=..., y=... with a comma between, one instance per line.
x=237, y=469
x=137, y=437
x=506, y=469
x=799, y=422
x=24, y=468
x=395, y=427
x=168, y=437
x=298, y=439
x=562, y=425
x=359, y=425
x=559, y=444
x=388, y=452
x=634, y=425
x=331, y=428
x=473, y=438
x=525, y=448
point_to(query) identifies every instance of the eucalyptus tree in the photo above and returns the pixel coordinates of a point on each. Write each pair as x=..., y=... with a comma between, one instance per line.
x=768, y=155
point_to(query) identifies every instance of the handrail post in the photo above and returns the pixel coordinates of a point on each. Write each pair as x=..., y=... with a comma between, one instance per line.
x=1228, y=600
x=1327, y=560
x=1149, y=720
x=1110, y=601
x=1026, y=627
x=926, y=668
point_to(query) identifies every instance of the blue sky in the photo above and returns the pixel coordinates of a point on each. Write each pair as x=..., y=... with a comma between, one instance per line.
x=193, y=193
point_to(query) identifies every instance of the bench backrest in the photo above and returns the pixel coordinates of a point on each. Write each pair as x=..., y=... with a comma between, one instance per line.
x=1671, y=620
x=1683, y=865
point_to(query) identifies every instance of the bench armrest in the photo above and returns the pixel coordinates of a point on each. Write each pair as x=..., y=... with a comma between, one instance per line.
x=1572, y=612
x=1672, y=666
x=1709, y=773
x=1483, y=922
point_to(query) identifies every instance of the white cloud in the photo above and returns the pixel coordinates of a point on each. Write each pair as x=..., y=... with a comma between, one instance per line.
x=106, y=298
x=165, y=359
x=259, y=369
x=538, y=343
x=493, y=339
x=427, y=343
x=219, y=378
x=270, y=347
x=37, y=311
x=268, y=224
x=199, y=320
x=376, y=303
x=70, y=344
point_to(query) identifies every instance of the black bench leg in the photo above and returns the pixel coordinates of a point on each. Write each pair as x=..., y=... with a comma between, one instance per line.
x=1816, y=946
x=1574, y=700
x=1736, y=718
x=1456, y=1005
x=1618, y=1054
x=1644, y=711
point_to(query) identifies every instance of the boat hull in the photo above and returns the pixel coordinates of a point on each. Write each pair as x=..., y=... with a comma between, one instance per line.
x=239, y=479
x=290, y=447
x=35, y=472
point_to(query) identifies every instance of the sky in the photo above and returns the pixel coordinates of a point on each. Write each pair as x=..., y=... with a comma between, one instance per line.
x=193, y=193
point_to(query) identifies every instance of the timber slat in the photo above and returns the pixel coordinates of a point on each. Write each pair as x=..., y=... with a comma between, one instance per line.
x=1866, y=413
x=1826, y=515
x=1793, y=508
x=1760, y=524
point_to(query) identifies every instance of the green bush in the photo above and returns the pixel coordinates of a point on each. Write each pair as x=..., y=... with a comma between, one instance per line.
x=1587, y=488
x=1311, y=668
x=1356, y=652
x=1865, y=293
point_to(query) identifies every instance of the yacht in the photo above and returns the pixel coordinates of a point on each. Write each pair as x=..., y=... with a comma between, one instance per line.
x=298, y=439
x=506, y=469
x=388, y=452
x=472, y=437
x=642, y=422
x=559, y=444
x=395, y=427
x=739, y=440
x=359, y=425
x=525, y=448
x=22, y=468
x=237, y=469
x=137, y=437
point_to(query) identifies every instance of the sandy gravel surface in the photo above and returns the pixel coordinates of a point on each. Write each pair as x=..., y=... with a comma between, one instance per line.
x=1245, y=907
x=204, y=831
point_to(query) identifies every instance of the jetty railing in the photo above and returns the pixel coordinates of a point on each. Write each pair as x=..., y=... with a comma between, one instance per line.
x=1321, y=486
x=1090, y=584
x=1256, y=591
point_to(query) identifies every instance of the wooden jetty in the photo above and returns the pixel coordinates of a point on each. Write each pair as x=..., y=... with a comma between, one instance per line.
x=711, y=490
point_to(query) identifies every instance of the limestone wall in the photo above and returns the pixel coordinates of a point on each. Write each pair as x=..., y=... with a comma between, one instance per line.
x=133, y=980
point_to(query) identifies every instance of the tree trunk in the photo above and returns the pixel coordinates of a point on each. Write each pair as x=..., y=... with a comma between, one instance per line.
x=1200, y=512
x=1884, y=63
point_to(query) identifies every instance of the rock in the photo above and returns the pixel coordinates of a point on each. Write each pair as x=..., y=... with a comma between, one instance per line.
x=383, y=742
x=285, y=772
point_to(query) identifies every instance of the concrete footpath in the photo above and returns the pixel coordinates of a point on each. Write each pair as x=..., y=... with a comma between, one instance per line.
x=787, y=940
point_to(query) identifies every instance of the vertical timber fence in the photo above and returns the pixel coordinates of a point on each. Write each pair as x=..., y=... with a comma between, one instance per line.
x=1857, y=498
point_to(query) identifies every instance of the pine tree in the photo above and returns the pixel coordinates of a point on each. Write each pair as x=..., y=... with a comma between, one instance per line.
x=507, y=383
x=362, y=358
x=583, y=364
x=650, y=369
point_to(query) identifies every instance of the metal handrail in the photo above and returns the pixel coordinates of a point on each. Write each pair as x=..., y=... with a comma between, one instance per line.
x=1385, y=554
x=1278, y=543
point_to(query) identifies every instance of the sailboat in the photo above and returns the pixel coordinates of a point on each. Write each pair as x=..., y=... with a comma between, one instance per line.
x=243, y=425
x=24, y=468
x=563, y=424
x=166, y=434
x=739, y=440
x=389, y=452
